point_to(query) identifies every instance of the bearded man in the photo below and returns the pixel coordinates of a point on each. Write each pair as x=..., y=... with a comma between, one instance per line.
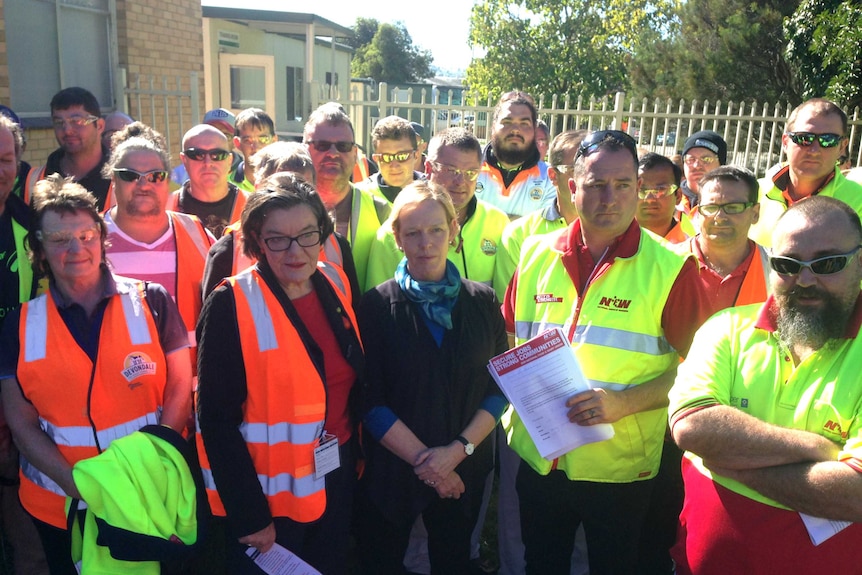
x=767, y=406
x=514, y=178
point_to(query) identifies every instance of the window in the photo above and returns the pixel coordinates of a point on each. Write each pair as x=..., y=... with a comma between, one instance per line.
x=295, y=84
x=247, y=80
x=53, y=44
x=332, y=79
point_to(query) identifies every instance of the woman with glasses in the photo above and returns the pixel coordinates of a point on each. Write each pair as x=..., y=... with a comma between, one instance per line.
x=279, y=355
x=95, y=358
x=430, y=402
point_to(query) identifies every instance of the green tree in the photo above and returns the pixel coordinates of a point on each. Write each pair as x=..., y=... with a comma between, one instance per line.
x=386, y=53
x=825, y=50
x=719, y=50
x=559, y=46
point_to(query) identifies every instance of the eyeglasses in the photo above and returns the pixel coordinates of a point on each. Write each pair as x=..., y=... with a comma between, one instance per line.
x=396, y=157
x=283, y=243
x=805, y=139
x=659, y=192
x=73, y=122
x=326, y=145
x=63, y=240
x=705, y=160
x=827, y=265
x=262, y=140
x=130, y=175
x=564, y=168
x=730, y=209
x=469, y=175
x=594, y=141
x=198, y=154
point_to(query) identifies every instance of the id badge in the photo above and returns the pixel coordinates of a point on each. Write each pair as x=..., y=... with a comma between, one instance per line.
x=326, y=457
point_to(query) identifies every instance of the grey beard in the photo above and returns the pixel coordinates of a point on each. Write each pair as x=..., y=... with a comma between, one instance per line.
x=812, y=328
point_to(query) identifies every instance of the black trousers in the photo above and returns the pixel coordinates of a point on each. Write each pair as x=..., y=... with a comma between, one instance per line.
x=553, y=507
x=57, y=544
x=449, y=523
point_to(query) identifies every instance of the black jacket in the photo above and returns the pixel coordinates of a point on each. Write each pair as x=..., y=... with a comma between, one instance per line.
x=434, y=390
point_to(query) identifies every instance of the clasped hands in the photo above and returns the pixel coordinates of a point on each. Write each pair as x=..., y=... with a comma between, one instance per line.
x=435, y=467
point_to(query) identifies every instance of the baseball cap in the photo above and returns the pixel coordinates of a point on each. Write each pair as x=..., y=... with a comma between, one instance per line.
x=221, y=119
x=419, y=129
x=709, y=140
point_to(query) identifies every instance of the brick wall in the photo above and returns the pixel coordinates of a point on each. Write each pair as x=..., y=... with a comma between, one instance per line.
x=161, y=37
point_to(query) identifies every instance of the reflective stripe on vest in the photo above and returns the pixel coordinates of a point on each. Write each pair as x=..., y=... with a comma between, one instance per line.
x=619, y=343
x=37, y=324
x=119, y=394
x=266, y=338
x=285, y=406
x=621, y=339
x=192, y=244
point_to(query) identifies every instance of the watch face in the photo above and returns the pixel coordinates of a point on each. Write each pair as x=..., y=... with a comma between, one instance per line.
x=468, y=449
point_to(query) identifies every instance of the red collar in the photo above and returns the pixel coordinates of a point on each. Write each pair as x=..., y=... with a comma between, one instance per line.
x=624, y=246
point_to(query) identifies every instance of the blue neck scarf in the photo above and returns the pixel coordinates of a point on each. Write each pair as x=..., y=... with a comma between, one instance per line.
x=435, y=299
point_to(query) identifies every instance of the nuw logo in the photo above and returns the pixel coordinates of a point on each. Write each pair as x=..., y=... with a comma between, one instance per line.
x=834, y=427
x=615, y=303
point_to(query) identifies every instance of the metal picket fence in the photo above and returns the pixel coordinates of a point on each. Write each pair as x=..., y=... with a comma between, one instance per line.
x=752, y=130
x=169, y=104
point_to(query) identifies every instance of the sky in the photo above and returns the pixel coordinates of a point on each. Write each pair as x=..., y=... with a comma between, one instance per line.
x=441, y=26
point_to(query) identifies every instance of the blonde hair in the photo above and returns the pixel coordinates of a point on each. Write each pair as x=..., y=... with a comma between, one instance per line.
x=417, y=192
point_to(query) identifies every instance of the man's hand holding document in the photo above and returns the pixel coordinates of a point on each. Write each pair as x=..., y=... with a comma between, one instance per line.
x=537, y=378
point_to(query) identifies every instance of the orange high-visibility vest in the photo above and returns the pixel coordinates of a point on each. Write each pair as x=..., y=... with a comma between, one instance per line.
x=83, y=407
x=285, y=407
x=193, y=244
x=755, y=285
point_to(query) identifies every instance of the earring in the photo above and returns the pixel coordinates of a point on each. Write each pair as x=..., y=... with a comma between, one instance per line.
x=400, y=249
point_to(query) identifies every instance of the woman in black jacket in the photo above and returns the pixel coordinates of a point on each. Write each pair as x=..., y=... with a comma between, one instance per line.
x=430, y=402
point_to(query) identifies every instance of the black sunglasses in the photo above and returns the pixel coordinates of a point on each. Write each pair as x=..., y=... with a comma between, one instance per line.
x=326, y=145
x=824, y=266
x=198, y=154
x=130, y=175
x=594, y=141
x=805, y=139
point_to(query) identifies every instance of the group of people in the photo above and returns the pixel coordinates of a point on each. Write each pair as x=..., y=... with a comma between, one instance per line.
x=311, y=329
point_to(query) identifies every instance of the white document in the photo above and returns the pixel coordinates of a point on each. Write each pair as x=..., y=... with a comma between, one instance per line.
x=537, y=378
x=280, y=561
x=820, y=529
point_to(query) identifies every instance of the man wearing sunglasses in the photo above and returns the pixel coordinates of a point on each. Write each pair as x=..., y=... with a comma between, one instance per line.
x=733, y=269
x=658, y=197
x=145, y=240
x=767, y=406
x=514, y=178
x=394, y=142
x=331, y=142
x=208, y=194
x=78, y=126
x=813, y=140
x=630, y=307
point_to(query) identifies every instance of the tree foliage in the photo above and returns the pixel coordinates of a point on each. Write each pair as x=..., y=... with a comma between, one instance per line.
x=559, y=46
x=386, y=53
x=720, y=50
x=825, y=50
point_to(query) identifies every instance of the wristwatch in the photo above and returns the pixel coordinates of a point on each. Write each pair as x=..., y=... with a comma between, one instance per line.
x=469, y=448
